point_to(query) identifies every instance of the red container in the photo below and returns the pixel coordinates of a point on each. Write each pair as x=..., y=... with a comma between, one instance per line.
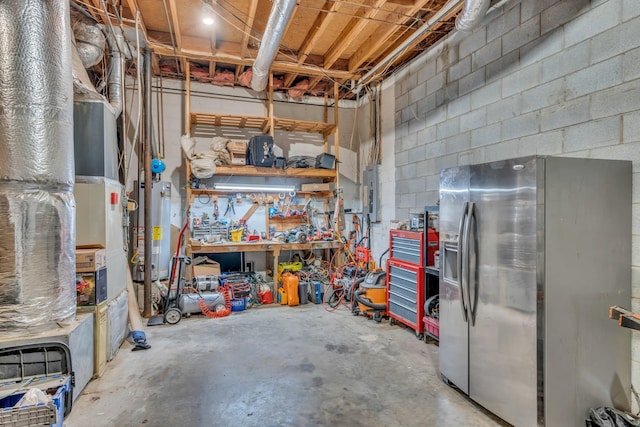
x=431, y=326
x=265, y=297
x=433, y=244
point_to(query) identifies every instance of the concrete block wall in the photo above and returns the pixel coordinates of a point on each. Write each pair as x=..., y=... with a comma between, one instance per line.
x=548, y=77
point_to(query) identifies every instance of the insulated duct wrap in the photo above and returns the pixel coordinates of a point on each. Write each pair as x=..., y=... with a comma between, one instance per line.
x=89, y=42
x=36, y=93
x=37, y=220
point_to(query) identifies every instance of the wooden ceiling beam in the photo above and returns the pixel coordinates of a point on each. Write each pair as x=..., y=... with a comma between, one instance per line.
x=155, y=64
x=289, y=79
x=177, y=34
x=313, y=82
x=227, y=53
x=317, y=29
x=253, y=6
x=135, y=9
x=212, y=69
x=92, y=7
x=404, y=35
x=405, y=3
x=354, y=28
x=375, y=42
x=239, y=70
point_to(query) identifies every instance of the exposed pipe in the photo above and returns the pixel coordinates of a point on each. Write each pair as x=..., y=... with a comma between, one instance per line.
x=116, y=65
x=37, y=207
x=281, y=13
x=472, y=13
x=148, y=185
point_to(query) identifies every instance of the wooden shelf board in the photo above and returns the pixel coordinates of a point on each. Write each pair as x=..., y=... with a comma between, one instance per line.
x=290, y=172
x=205, y=120
x=264, y=246
x=202, y=119
x=291, y=125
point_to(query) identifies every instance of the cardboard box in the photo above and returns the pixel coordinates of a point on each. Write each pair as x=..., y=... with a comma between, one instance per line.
x=238, y=159
x=207, y=268
x=325, y=186
x=90, y=258
x=91, y=287
x=239, y=147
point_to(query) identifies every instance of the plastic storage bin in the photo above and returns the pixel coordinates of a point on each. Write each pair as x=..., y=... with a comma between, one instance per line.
x=238, y=304
x=43, y=366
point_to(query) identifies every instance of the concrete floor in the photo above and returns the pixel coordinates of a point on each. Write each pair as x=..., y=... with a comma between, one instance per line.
x=276, y=366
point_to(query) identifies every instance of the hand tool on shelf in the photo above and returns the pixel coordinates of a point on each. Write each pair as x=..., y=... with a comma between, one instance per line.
x=230, y=206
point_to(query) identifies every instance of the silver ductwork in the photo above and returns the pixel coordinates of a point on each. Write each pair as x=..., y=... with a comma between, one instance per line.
x=116, y=65
x=472, y=13
x=37, y=217
x=281, y=13
x=89, y=42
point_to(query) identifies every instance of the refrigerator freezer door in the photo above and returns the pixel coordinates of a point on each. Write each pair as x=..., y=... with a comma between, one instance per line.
x=454, y=361
x=502, y=261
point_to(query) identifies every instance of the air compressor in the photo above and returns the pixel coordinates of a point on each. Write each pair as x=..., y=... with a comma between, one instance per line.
x=370, y=295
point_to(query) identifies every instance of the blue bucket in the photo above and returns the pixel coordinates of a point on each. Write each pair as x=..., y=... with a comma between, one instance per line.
x=238, y=304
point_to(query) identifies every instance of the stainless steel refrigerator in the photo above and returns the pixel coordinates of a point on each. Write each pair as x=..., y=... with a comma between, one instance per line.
x=533, y=252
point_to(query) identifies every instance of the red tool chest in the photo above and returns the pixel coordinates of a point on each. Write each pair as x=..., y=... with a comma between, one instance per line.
x=405, y=279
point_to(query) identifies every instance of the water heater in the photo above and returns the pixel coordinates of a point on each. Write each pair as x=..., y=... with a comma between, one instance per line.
x=160, y=231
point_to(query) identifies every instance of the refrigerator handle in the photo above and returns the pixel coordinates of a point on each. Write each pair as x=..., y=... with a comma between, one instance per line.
x=473, y=305
x=461, y=254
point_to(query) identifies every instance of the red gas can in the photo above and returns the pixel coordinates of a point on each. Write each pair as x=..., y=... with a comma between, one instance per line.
x=265, y=296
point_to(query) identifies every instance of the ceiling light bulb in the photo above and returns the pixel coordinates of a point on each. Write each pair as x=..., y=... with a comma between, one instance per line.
x=208, y=21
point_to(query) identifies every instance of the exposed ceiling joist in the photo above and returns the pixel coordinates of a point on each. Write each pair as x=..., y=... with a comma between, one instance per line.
x=228, y=58
x=253, y=5
x=374, y=42
x=337, y=40
x=175, y=25
x=318, y=28
x=350, y=33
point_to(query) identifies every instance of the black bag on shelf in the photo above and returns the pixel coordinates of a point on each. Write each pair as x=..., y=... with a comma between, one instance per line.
x=260, y=151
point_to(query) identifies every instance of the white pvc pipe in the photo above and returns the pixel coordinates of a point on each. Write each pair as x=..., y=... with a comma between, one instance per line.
x=281, y=13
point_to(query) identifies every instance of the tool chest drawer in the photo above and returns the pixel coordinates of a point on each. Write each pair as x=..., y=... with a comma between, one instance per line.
x=405, y=293
x=407, y=246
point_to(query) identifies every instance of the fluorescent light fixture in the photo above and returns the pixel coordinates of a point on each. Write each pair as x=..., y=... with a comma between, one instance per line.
x=248, y=188
x=208, y=20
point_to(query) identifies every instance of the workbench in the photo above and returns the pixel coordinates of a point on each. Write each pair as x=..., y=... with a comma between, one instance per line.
x=269, y=246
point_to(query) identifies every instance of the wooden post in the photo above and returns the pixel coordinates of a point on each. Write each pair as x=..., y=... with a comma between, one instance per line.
x=272, y=130
x=325, y=136
x=336, y=132
x=187, y=131
x=187, y=101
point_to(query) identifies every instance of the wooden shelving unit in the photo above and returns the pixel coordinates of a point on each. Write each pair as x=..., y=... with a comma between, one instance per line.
x=202, y=122
x=206, y=123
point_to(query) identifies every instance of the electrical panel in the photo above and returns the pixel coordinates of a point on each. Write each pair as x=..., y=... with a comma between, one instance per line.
x=370, y=180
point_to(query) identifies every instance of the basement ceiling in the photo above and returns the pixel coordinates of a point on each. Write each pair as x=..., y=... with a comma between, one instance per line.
x=326, y=41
